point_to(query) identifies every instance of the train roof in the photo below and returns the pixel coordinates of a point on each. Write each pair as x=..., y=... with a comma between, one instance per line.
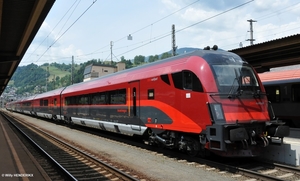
x=28, y=98
x=145, y=71
x=153, y=69
x=279, y=77
x=50, y=93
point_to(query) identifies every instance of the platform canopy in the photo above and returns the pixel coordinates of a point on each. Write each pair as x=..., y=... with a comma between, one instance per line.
x=276, y=53
x=20, y=20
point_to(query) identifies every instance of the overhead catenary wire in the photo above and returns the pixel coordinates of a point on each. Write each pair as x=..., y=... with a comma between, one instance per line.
x=149, y=25
x=211, y=18
x=135, y=46
x=168, y=34
x=67, y=29
x=51, y=30
x=270, y=15
x=275, y=13
x=151, y=40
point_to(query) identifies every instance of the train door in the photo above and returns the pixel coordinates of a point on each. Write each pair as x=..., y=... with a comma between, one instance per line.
x=135, y=107
x=50, y=105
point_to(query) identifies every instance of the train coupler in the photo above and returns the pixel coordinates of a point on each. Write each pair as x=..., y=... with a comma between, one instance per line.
x=265, y=141
x=278, y=130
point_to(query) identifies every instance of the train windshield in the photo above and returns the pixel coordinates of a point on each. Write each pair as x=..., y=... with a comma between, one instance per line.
x=231, y=79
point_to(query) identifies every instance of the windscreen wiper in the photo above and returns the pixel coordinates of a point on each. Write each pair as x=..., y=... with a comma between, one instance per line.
x=231, y=88
x=239, y=92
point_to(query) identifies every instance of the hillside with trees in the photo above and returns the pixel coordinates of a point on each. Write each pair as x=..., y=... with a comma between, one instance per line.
x=33, y=79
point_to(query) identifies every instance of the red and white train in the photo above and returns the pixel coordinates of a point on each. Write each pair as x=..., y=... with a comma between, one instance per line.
x=204, y=100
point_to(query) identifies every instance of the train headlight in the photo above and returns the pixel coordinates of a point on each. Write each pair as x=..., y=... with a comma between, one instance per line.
x=217, y=113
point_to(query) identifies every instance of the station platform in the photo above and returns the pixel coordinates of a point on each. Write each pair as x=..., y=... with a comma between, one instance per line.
x=287, y=153
x=16, y=161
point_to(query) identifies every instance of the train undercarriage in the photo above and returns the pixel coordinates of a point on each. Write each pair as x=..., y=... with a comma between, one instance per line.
x=246, y=140
x=184, y=142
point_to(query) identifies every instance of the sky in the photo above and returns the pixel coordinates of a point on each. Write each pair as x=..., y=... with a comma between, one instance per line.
x=99, y=29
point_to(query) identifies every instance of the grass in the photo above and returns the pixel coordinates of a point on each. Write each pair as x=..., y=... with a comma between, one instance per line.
x=54, y=71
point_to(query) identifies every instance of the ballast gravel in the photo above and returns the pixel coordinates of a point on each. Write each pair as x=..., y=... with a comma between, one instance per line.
x=149, y=163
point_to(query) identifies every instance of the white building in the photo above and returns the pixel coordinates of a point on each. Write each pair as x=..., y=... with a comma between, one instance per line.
x=94, y=71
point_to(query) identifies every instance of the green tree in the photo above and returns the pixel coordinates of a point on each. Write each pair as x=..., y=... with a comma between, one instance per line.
x=128, y=63
x=165, y=55
x=139, y=59
x=153, y=58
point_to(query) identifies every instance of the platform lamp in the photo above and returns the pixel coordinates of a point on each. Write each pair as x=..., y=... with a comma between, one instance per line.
x=129, y=37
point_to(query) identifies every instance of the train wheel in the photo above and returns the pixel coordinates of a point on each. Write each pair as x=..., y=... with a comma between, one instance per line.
x=193, y=146
x=54, y=118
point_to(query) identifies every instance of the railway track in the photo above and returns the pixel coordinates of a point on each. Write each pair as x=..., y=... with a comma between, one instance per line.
x=252, y=170
x=70, y=162
x=261, y=170
x=244, y=169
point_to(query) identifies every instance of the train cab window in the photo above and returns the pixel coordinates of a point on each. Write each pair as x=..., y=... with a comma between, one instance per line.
x=273, y=93
x=177, y=79
x=296, y=93
x=55, y=102
x=187, y=80
x=232, y=78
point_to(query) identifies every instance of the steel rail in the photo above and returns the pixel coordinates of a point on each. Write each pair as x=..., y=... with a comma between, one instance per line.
x=69, y=175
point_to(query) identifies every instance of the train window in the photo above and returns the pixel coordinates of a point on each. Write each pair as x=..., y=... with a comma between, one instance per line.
x=109, y=97
x=231, y=78
x=67, y=101
x=98, y=98
x=165, y=78
x=118, y=96
x=55, y=102
x=45, y=102
x=70, y=101
x=177, y=79
x=150, y=93
x=296, y=93
x=83, y=100
x=191, y=81
x=41, y=102
x=273, y=93
x=187, y=80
